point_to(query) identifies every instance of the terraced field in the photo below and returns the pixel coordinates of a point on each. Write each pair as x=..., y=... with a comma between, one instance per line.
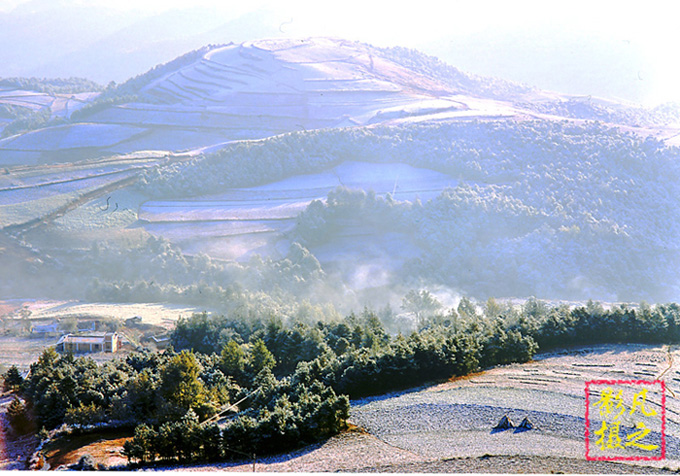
x=240, y=222
x=249, y=91
x=59, y=104
x=32, y=195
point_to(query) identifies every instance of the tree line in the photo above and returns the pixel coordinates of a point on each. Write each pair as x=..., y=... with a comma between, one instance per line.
x=230, y=387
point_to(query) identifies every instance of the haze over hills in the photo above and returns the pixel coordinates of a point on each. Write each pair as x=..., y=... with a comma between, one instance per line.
x=222, y=167
x=615, y=51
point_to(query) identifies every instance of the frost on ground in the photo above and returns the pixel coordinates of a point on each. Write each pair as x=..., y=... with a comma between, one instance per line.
x=449, y=427
x=157, y=314
x=244, y=221
x=457, y=418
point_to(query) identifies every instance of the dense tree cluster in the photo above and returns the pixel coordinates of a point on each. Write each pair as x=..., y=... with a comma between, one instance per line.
x=555, y=210
x=357, y=356
x=594, y=109
x=170, y=397
x=592, y=324
x=157, y=271
x=71, y=85
x=433, y=67
x=282, y=415
x=25, y=119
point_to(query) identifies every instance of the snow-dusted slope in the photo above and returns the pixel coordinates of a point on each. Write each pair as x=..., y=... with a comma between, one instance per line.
x=240, y=222
x=258, y=89
x=248, y=91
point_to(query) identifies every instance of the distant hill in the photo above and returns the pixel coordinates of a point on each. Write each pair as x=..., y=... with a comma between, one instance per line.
x=253, y=90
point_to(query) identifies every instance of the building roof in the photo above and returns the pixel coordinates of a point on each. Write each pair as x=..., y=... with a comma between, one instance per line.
x=89, y=338
x=84, y=339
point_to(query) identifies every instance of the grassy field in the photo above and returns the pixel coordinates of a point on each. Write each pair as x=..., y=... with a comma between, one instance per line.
x=164, y=315
x=22, y=351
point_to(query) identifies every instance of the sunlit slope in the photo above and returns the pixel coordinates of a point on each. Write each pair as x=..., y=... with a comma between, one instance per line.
x=258, y=89
x=247, y=91
x=473, y=183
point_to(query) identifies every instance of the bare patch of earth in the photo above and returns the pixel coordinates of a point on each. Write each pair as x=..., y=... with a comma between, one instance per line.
x=14, y=449
x=105, y=448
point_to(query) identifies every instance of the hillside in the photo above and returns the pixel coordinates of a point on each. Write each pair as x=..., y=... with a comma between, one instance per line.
x=257, y=89
x=448, y=427
x=333, y=171
x=248, y=91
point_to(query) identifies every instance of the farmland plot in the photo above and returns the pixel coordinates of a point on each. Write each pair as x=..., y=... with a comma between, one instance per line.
x=240, y=222
x=67, y=137
x=157, y=314
x=456, y=419
x=29, y=194
x=236, y=92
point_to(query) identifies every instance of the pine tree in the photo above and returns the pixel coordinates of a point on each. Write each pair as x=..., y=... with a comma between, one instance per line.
x=13, y=378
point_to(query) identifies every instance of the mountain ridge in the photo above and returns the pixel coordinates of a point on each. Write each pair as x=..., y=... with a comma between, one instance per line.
x=255, y=89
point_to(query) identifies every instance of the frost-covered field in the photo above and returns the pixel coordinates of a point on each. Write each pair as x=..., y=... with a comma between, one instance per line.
x=448, y=427
x=456, y=419
x=34, y=193
x=151, y=313
x=264, y=214
x=59, y=104
x=249, y=91
x=71, y=136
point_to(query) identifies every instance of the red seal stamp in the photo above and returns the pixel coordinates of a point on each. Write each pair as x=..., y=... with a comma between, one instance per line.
x=625, y=420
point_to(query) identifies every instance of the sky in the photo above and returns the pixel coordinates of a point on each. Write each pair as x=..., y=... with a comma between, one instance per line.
x=621, y=48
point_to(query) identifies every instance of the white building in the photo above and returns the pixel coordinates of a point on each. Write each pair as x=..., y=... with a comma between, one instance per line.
x=89, y=342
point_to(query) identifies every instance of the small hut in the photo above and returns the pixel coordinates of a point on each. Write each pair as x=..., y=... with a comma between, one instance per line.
x=504, y=423
x=526, y=424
